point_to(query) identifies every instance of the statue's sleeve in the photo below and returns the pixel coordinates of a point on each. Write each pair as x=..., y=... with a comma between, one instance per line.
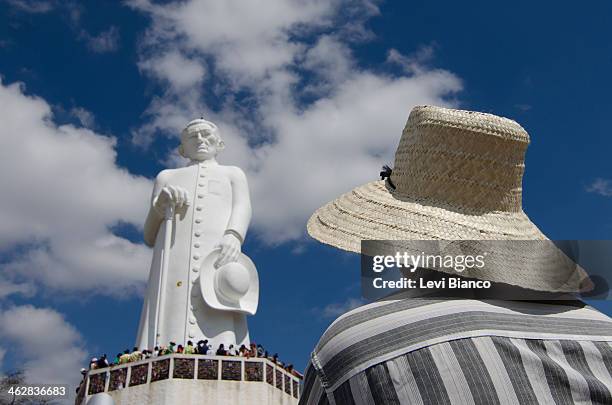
x=154, y=218
x=241, y=203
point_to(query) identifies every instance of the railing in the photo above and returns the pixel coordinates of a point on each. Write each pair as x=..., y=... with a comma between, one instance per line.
x=187, y=366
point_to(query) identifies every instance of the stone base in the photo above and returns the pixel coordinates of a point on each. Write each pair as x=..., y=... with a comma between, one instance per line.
x=192, y=379
x=199, y=392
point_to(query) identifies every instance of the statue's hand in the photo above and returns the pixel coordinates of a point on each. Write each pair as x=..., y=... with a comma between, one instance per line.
x=171, y=195
x=230, y=249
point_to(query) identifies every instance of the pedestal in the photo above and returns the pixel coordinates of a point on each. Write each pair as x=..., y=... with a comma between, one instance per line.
x=194, y=379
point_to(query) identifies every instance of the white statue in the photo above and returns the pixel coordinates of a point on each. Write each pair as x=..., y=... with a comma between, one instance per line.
x=200, y=285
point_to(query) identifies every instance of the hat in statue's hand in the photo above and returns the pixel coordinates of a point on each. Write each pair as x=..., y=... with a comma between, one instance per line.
x=231, y=287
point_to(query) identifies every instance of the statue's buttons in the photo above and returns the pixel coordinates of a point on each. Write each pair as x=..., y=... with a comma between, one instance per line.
x=198, y=220
x=195, y=269
x=197, y=244
x=191, y=335
x=198, y=234
x=192, y=320
x=196, y=257
x=202, y=175
x=200, y=195
x=201, y=184
x=199, y=208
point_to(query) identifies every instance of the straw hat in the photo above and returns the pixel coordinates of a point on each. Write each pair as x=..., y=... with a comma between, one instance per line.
x=231, y=287
x=457, y=176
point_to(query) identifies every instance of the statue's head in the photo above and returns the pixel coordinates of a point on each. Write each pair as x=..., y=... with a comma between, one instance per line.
x=200, y=140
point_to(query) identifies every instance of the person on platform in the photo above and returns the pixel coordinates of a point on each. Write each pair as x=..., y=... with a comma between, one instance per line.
x=189, y=349
x=243, y=351
x=180, y=349
x=289, y=368
x=252, y=350
x=296, y=373
x=203, y=347
x=231, y=351
x=136, y=355
x=83, y=380
x=102, y=362
x=221, y=350
x=125, y=357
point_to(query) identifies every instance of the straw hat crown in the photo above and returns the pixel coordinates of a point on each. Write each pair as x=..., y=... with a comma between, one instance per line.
x=467, y=161
x=457, y=175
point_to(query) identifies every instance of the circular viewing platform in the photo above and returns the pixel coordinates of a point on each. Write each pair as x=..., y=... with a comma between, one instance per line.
x=189, y=378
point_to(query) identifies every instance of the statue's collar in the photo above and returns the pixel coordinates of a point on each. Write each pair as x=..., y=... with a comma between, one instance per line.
x=203, y=163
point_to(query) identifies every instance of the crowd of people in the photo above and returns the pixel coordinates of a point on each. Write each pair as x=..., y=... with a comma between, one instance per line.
x=202, y=347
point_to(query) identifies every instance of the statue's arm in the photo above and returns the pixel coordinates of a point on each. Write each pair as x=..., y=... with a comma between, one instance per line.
x=241, y=203
x=154, y=218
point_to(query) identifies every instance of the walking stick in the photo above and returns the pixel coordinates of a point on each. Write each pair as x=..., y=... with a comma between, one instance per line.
x=161, y=290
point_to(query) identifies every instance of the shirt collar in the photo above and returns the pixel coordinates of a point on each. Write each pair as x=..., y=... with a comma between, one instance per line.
x=204, y=163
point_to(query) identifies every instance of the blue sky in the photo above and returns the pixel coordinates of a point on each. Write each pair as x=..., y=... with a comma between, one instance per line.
x=311, y=98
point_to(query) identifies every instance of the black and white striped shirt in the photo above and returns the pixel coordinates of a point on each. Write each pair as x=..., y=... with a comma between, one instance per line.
x=458, y=351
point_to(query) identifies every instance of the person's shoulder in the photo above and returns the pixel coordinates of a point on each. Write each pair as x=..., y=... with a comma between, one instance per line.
x=378, y=316
x=229, y=169
x=167, y=174
x=233, y=172
x=350, y=320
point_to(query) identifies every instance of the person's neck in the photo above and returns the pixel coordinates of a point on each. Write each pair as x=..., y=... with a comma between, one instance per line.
x=210, y=161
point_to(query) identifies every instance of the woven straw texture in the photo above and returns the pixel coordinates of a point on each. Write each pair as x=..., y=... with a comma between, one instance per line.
x=457, y=176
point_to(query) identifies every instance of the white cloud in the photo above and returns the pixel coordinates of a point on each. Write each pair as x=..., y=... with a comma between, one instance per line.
x=336, y=309
x=73, y=9
x=9, y=288
x=105, y=41
x=47, y=348
x=298, y=154
x=601, y=186
x=248, y=38
x=179, y=71
x=85, y=117
x=523, y=107
x=330, y=61
x=62, y=191
x=32, y=6
x=413, y=63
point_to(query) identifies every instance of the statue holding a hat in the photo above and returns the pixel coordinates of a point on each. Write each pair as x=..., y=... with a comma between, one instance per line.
x=201, y=286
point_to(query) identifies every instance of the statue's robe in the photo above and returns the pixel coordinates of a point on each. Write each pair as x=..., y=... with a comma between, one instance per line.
x=219, y=200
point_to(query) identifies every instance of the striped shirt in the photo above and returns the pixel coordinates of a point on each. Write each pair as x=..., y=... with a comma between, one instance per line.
x=459, y=351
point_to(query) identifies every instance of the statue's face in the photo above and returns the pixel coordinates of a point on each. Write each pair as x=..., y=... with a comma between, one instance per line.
x=200, y=143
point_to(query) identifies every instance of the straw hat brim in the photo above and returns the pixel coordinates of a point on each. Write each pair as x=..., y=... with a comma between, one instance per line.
x=375, y=212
